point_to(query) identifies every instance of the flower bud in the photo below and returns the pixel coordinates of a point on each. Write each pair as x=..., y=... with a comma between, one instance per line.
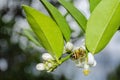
x=90, y=59
x=47, y=56
x=69, y=46
x=40, y=67
x=49, y=65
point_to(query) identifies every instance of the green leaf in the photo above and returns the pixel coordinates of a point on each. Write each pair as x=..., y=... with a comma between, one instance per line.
x=103, y=23
x=93, y=4
x=46, y=30
x=31, y=36
x=77, y=15
x=60, y=20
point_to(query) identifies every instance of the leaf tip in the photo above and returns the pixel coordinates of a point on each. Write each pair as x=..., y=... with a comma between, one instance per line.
x=24, y=6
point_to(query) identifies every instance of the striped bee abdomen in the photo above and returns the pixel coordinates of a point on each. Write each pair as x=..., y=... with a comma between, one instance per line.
x=79, y=53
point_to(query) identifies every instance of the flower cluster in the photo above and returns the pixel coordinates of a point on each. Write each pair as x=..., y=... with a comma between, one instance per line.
x=86, y=63
x=79, y=55
x=81, y=58
x=48, y=64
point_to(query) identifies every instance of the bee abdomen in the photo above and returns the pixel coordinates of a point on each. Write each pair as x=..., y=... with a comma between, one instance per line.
x=79, y=53
x=75, y=55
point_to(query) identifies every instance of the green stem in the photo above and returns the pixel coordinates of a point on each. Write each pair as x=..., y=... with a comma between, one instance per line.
x=65, y=58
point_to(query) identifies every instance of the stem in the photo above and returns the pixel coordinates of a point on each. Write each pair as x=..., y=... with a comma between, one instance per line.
x=58, y=61
x=65, y=58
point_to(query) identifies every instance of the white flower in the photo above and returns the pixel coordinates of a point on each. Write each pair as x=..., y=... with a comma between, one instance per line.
x=79, y=63
x=69, y=46
x=91, y=59
x=40, y=66
x=86, y=63
x=47, y=56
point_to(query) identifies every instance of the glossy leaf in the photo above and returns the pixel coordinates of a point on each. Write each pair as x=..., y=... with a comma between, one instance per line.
x=31, y=36
x=60, y=20
x=77, y=15
x=46, y=30
x=93, y=4
x=103, y=23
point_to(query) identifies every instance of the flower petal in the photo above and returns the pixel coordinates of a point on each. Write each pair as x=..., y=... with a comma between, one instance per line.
x=94, y=63
x=90, y=59
x=69, y=46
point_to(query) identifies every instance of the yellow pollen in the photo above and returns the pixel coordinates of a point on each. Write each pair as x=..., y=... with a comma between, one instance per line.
x=86, y=72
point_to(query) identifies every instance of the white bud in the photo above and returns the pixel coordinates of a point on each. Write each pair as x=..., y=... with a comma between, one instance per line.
x=90, y=59
x=40, y=66
x=69, y=46
x=47, y=56
x=49, y=65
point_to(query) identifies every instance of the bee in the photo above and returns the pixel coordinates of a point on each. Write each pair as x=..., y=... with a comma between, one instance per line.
x=78, y=54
